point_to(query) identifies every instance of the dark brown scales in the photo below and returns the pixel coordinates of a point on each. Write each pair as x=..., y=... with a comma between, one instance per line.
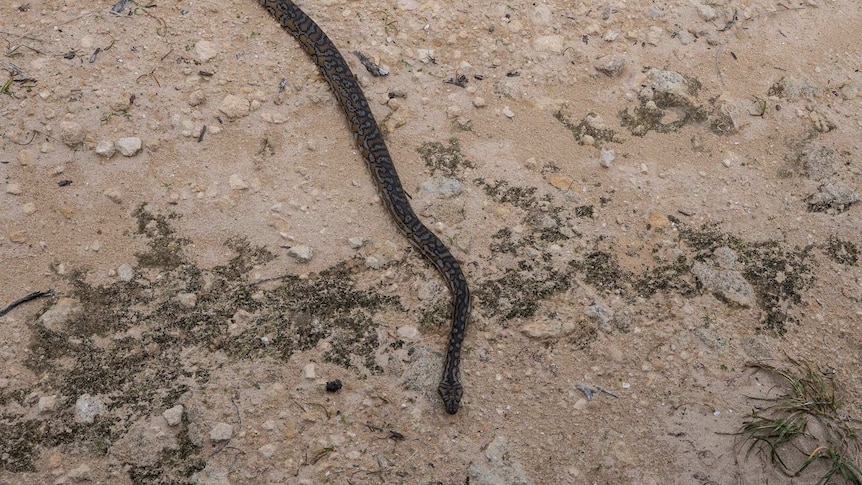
x=367, y=136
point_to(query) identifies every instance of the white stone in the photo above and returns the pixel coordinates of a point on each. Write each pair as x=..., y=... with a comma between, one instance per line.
x=174, y=415
x=206, y=50
x=106, y=148
x=302, y=254
x=310, y=371
x=125, y=272
x=221, y=432
x=87, y=408
x=234, y=107
x=129, y=146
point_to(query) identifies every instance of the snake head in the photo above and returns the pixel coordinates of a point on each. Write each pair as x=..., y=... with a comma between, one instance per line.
x=451, y=391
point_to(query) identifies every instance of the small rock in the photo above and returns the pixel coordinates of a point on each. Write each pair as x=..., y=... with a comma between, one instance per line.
x=174, y=415
x=129, y=146
x=453, y=111
x=18, y=237
x=268, y=450
x=600, y=313
x=72, y=133
x=507, y=112
x=706, y=12
x=302, y=254
x=479, y=102
x=562, y=182
x=56, y=318
x=658, y=220
x=610, y=65
x=206, y=50
x=234, y=107
x=197, y=97
x=87, y=408
x=221, y=432
x=47, y=404
x=14, y=188
x=80, y=474
x=607, y=157
x=106, y=148
x=28, y=208
x=125, y=272
x=355, y=242
x=818, y=161
x=685, y=37
x=114, y=195
x=188, y=300
x=310, y=371
x=408, y=332
x=549, y=43
x=729, y=284
x=837, y=197
x=26, y=157
x=447, y=187
x=237, y=183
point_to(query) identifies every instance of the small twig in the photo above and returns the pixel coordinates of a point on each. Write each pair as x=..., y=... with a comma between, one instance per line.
x=25, y=299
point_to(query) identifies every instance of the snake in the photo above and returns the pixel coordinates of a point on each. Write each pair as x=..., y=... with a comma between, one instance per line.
x=369, y=140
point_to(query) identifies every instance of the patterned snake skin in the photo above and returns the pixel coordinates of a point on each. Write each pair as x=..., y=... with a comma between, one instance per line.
x=367, y=136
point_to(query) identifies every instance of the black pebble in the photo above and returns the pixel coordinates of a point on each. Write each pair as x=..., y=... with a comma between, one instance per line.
x=333, y=386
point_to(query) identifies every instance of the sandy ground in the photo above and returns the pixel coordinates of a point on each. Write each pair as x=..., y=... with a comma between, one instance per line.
x=647, y=196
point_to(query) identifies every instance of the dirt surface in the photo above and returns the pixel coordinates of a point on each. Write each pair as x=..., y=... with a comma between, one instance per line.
x=646, y=196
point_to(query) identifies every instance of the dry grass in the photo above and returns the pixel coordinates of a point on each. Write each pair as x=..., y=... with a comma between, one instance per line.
x=804, y=426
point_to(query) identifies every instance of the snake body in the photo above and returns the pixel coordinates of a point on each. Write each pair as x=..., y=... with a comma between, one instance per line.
x=370, y=142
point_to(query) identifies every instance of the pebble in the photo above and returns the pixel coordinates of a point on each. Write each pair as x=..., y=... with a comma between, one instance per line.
x=268, y=450
x=125, y=272
x=47, y=404
x=685, y=37
x=818, y=161
x=706, y=12
x=113, y=194
x=549, y=43
x=14, y=188
x=408, y=332
x=835, y=196
x=444, y=186
x=56, y=318
x=728, y=283
x=18, y=237
x=479, y=102
x=72, y=133
x=129, y=146
x=302, y=254
x=658, y=220
x=234, y=107
x=607, y=157
x=174, y=415
x=196, y=98
x=221, y=432
x=206, y=50
x=611, y=65
x=80, y=474
x=106, y=148
x=355, y=242
x=87, y=408
x=28, y=208
x=26, y=157
x=507, y=112
x=310, y=371
x=188, y=300
x=237, y=183
x=562, y=182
